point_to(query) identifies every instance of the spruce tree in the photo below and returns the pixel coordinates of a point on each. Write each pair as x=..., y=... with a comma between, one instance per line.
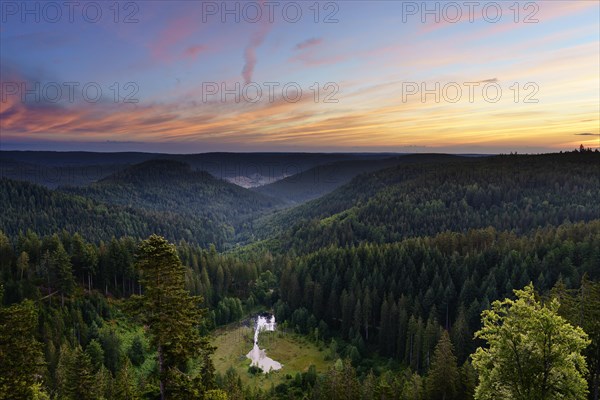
x=126, y=386
x=172, y=316
x=136, y=352
x=75, y=375
x=443, y=378
x=20, y=352
x=96, y=353
x=340, y=383
x=460, y=335
x=61, y=264
x=581, y=307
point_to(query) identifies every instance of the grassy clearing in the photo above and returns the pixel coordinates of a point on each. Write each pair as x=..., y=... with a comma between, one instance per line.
x=293, y=351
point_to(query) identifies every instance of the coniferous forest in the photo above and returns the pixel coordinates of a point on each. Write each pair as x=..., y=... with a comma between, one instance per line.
x=414, y=277
x=299, y=200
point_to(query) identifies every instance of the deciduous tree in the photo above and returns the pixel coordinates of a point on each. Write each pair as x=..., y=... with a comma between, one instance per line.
x=532, y=353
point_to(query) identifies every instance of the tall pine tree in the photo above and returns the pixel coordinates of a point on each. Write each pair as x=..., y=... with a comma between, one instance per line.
x=172, y=316
x=20, y=352
x=443, y=378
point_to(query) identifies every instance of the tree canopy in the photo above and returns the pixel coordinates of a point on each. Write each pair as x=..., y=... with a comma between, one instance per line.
x=532, y=353
x=172, y=316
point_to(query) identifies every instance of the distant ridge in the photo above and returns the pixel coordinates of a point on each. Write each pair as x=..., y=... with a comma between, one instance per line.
x=172, y=186
x=158, y=170
x=322, y=179
x=78, y=168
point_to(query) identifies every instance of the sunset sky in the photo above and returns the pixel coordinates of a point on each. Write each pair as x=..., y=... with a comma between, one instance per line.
x=369, y=59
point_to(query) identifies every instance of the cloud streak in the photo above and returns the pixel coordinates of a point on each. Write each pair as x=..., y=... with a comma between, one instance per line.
x=256, y=39
x=193, y=51
x=308, y=43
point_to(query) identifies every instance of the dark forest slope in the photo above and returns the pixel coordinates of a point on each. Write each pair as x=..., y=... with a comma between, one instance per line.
x=518, y=193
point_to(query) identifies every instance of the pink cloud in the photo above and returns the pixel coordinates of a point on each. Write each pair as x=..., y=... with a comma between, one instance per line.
x=308, y=43
x=151, y=122
x=257, y=38
x=176, y=31
x=308, y=54
x=193, y=51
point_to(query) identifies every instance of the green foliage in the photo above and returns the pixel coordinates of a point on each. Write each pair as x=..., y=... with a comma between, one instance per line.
x=26, y=205
x=403, y=316
x=581, y=307
x=468, y=382
x=20, y=352
x=126, y=387
x=215, y=395
x=443, y=378
x=253, y=370
x=340, y=383
x=532, y=352
x=443, y=193
x=229, y=310
x=76, y=375
x=61, y=264
x=96, y=354
x=191, y=198
x=38, y=393
x=171, y=315
x=378, y=268
x=136, y=352
x=111, y=345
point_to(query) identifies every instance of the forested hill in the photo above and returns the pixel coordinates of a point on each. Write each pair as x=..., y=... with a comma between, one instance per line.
x=510, y=192
x=158, y=196
x=53, y=169
x=26, y=206
x=168, y=185
x=383, y=272
x=322, y=179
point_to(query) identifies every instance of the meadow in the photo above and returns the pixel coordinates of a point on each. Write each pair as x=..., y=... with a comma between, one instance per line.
x=294, y=351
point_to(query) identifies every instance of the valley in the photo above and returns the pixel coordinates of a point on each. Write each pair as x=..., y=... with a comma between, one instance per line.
x=367, y=274
x=299, y=200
